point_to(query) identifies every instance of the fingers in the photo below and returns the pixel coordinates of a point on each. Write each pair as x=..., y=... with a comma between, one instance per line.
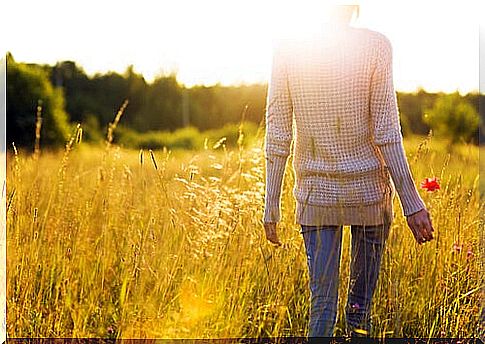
x=273, y=238
x=427, y=228
x=421, y=227
x=429, y=231
x=271, y=235
x=415, y=229
x=417, y=235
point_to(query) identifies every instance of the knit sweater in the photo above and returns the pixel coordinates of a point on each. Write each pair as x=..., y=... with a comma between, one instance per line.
x=333, y=96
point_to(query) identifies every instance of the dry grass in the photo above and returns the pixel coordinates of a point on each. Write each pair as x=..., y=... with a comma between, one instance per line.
x=105, y=242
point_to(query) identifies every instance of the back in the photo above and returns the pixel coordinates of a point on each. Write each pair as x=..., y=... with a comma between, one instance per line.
x=338, y=88
x=329, y=80
x=335, y=94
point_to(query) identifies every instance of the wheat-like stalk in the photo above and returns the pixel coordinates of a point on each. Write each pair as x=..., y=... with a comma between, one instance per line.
x=112, y=125
x=38, y=126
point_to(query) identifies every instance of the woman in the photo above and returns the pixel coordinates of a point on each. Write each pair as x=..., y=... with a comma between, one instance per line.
x=338, y=88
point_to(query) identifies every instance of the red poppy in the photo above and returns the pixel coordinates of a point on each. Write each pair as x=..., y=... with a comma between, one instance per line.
x=430, y=184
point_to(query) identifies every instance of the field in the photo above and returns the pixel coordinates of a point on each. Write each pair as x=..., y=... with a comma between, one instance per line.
x=108, y=242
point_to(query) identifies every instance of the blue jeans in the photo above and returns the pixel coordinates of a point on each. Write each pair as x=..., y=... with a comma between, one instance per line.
x=323, y=247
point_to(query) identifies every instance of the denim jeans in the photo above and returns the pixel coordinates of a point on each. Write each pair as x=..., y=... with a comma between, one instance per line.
x=323, y=248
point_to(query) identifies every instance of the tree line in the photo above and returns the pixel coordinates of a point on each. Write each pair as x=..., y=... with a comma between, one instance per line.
x=65, y=95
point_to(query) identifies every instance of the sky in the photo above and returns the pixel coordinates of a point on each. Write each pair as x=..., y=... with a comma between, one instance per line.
x=435, y=43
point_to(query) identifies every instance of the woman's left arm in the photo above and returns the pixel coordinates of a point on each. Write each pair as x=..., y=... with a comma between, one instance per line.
x=279, y=134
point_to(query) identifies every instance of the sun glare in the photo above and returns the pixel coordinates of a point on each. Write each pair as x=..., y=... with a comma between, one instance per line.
x=297, y=19
x=206, y=42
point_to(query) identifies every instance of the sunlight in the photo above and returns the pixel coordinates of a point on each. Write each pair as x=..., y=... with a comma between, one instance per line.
x=301, y=19
x=231, y=42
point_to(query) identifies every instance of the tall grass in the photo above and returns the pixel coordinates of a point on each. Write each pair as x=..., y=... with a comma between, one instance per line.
x=108, y=242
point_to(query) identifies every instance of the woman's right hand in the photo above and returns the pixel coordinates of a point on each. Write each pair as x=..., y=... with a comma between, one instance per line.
x=421, y=226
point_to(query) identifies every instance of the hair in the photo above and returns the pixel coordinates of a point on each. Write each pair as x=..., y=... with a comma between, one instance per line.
x=343, y=13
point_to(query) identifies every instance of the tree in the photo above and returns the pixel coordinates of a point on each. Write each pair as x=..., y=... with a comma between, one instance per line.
x=453, y=117
x=27, y=87
x=163, y=106
x=76, y=85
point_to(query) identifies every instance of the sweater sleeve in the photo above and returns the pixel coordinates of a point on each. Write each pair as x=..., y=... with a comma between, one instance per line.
x=395, y=158
x=386, y=128
x=383, y=107
x=279, y=134
x=275, y=170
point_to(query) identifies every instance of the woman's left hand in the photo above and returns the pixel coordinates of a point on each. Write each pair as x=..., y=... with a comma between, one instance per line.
x=271, y=235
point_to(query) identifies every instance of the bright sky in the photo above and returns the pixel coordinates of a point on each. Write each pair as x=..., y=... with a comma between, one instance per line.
x=435, y=42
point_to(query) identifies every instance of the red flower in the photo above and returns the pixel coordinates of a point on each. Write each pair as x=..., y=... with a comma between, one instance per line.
x=430, y=184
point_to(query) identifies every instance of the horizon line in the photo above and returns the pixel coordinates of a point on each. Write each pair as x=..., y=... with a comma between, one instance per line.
x=174, y=73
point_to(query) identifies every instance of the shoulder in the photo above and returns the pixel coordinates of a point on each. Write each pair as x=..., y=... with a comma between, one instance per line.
x=380, y=40
x=379, y=44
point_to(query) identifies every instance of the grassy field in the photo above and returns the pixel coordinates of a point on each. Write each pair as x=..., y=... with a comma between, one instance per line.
x=107, y=242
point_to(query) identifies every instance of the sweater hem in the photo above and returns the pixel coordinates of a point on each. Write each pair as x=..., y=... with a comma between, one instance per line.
x=363, y=214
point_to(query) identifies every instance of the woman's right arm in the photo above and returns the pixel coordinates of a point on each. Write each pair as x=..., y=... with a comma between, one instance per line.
x=386, y=132
x=417, y=216
x=386, y=127
x=395, y=157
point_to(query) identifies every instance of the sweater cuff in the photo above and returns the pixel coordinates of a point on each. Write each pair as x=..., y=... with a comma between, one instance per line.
x=395, y=158
x=275, y=170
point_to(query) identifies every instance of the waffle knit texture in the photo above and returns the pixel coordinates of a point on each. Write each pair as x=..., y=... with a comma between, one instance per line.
x=332, y=95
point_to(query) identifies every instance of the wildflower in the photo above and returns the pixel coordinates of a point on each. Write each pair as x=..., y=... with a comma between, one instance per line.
x=457, y=247
x=355, y=305
x=110, y=329
x=430, y=184
x=469, y=253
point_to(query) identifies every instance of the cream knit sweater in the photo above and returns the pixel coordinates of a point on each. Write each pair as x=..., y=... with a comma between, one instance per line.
x=333, y=95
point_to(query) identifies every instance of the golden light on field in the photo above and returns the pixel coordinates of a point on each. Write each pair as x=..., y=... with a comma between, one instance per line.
x=154, y=253
x=111, y=241
x=435, y=43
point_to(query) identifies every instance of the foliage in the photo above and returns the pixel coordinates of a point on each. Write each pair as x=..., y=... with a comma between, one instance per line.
x=412, y=107
x=163, y=104
x=166, y=105
x=28, y=86
x=184, y=138
x=91, y=128
x=454, y=118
